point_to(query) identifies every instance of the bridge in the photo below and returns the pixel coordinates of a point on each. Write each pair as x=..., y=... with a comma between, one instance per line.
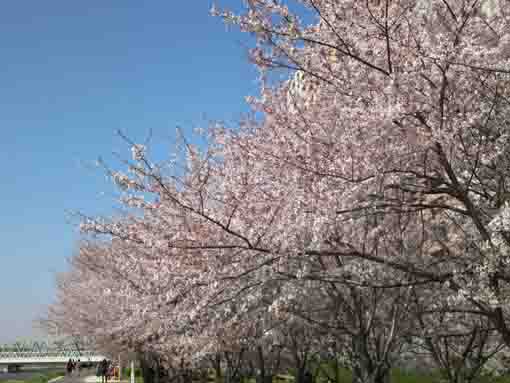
x=13, y=357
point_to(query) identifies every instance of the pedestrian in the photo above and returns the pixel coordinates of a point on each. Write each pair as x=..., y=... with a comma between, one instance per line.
x=104, y=371
x=108, y=371
x=69, y=367
x=78, y=367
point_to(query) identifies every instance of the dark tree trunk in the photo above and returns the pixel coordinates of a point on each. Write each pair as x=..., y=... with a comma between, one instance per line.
x=233, y=370
x=147, y=370
x=367, y=370
x=265, y=375
x=251, y=369
x=217, y=366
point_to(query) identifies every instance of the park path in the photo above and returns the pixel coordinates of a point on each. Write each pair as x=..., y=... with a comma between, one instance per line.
x=86, y=376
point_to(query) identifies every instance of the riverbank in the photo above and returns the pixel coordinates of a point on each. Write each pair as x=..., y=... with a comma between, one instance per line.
x=31, y=376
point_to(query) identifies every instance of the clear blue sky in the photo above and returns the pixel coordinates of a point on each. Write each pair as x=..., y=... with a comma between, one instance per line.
x=71, y=74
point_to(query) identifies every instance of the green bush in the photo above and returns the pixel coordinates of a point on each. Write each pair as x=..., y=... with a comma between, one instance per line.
x=126, y=372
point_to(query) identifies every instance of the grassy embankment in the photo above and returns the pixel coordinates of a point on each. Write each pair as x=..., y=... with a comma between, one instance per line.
x=397, y=376
x=39, y=378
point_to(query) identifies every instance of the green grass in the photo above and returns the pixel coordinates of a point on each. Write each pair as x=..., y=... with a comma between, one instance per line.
x=493, y=379
x=40, y=378
x=345, y=376
x=399, y=376
x=435, y=377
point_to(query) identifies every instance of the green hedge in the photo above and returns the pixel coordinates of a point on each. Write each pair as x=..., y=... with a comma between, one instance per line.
x=126, y=372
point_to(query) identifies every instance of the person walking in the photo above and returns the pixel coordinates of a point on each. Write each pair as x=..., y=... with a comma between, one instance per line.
x=78, y=367
x=103, y=367
x=108, y=371
x=99, y=369
x=69, y=367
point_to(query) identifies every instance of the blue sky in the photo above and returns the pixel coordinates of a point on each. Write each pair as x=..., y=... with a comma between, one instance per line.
x=71, y=74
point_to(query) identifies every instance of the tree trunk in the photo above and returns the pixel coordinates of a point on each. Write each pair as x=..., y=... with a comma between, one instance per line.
x=251, y=369
x=366, y=375
x=265, y=375
x=157, y=372
x=300, y=374
x=217, y=366
x=232, y=372
x=147, y=371
x=367, y=370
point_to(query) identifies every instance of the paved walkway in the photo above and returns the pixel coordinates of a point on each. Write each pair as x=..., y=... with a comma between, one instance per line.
x=96, y=379
x=86, y=376
x=72, y=379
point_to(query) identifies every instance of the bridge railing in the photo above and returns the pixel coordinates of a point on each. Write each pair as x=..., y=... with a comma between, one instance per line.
x=47, y=354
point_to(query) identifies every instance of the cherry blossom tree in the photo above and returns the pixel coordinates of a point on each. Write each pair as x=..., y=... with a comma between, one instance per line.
x=378, y=172
x=397, y=109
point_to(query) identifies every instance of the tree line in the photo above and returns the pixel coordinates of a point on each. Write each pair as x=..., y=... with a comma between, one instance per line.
x=359, y=218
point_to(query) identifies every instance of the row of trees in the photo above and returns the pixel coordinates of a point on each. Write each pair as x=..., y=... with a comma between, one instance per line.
x=359, y=219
